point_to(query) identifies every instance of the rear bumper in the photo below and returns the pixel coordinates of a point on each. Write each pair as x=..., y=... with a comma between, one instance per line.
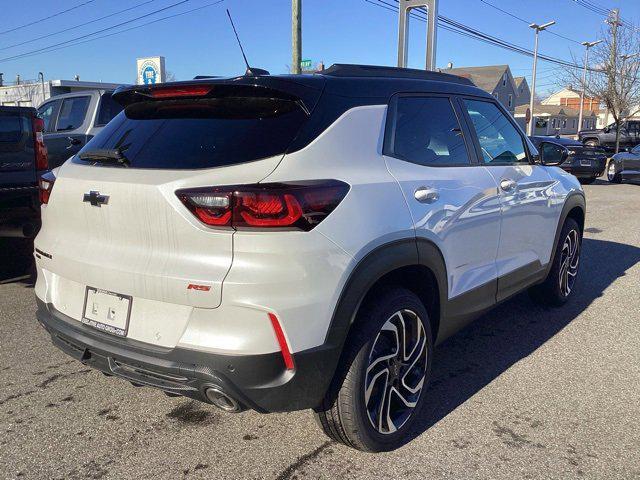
x=594, y=169
x=259, y=382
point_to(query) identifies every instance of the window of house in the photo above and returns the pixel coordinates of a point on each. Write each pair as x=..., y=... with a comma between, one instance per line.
x=427, y=133
x=564, y=123
x=500, y=142
x=553, y=123
x=510, y=100
x=504, y=80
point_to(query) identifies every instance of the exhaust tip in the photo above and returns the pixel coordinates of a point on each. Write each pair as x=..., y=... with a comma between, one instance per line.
x=221, y=400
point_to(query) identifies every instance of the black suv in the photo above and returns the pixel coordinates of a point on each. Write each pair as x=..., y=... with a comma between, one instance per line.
x=606, y=137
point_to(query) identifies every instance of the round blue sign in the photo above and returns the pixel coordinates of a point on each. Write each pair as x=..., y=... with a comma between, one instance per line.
x=149, y=75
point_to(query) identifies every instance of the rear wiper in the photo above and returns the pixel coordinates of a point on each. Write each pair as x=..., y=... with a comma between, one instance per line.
x=106, y=155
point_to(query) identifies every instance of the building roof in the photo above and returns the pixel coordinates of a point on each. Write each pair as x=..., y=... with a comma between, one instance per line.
x=549, y=110
x=486, y=77
x=519, y=80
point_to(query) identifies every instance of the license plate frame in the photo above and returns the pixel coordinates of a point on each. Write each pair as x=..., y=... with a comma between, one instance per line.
x=585, y=163
x=113, y=307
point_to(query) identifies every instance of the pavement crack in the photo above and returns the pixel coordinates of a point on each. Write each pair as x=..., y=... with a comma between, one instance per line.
x=59, y=376
x=15, y=396
x=303, y=460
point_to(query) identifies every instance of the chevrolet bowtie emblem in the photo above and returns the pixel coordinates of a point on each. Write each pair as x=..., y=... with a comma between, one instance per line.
x=95, y=199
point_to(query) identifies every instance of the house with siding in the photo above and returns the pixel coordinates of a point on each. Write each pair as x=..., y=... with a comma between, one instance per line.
x=494, y=79
x=555, y=119
x=523, y=92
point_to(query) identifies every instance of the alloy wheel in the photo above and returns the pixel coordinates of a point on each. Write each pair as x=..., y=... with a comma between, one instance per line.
x=569, y=259
x=396, y=371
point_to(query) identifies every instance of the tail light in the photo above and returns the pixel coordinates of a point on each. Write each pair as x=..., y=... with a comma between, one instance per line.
x=39, y=147
x=45, y=187
x=288, y=206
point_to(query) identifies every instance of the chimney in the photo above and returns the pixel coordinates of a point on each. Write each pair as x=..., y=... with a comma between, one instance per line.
x=449, y=65
x=18, y=79
x=77, y=78
x=1, y=80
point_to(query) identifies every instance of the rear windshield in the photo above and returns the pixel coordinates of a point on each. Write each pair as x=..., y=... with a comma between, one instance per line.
x=10, y=128
x=200, y=133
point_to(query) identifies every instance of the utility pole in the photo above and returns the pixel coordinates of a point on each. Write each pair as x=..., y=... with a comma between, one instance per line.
x=538, y=29
x=296, y=35
x=587, y=46
x=614, y=21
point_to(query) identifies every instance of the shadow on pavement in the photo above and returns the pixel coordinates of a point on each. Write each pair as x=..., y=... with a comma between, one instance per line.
x=470, y=360
x=16, y=261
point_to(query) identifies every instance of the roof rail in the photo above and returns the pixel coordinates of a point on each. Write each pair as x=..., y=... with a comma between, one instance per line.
x=351, y=70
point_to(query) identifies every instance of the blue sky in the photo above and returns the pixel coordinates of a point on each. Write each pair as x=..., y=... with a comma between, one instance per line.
x=347, y=31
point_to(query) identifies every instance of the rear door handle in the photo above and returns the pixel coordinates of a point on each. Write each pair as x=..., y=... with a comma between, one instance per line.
x=508, y=185
x=426, y=195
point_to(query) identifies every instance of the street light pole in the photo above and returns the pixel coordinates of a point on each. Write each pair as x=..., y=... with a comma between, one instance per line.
x=587, y=46
x=538, y=29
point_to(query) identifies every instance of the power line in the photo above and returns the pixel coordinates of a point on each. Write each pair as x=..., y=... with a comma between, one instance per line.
x=465, y=30
x=128, y=29
x=528, y=22
x=40, y=50
x=76, y=26
x=46, y=18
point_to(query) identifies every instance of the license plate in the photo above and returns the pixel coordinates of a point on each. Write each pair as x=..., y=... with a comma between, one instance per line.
x=107, y=311
x=585, y=163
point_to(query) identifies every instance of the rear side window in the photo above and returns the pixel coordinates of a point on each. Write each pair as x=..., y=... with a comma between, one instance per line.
x=10, y=128
x=200, y=133
x=108, y=109
x=426, y=131
x=72, y=113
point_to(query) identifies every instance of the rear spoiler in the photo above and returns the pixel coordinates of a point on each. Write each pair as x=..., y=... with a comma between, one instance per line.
x=306, y=94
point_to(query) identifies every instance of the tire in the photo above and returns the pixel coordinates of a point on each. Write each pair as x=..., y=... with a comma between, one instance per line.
x=612, y=173
x=350, y=412
x=560, y=283
x=587, y=181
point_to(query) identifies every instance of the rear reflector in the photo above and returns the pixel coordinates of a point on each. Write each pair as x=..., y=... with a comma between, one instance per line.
x=45, y=186
x=282, y=342
x=299, y=206
x=181, y=91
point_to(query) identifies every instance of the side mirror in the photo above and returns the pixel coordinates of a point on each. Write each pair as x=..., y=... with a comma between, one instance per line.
x=606, y=129
x=552, y=154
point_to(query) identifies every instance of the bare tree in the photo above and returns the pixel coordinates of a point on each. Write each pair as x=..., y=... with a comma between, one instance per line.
x=614, y=77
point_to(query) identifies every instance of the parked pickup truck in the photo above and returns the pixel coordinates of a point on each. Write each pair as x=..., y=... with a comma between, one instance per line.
x=606, y=137
x=72, y=119
x=23, y=158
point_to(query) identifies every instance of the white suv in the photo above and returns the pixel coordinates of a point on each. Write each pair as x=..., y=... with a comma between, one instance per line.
x=289, y=242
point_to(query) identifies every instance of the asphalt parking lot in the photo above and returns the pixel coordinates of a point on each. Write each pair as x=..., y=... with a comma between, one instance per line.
x=523, y=393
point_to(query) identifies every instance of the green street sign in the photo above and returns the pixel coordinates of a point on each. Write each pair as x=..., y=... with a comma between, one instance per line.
x=305, y=63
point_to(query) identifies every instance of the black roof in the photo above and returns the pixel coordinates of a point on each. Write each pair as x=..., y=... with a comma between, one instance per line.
x=377, y=71
x=553, y=139
x=345, y=80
